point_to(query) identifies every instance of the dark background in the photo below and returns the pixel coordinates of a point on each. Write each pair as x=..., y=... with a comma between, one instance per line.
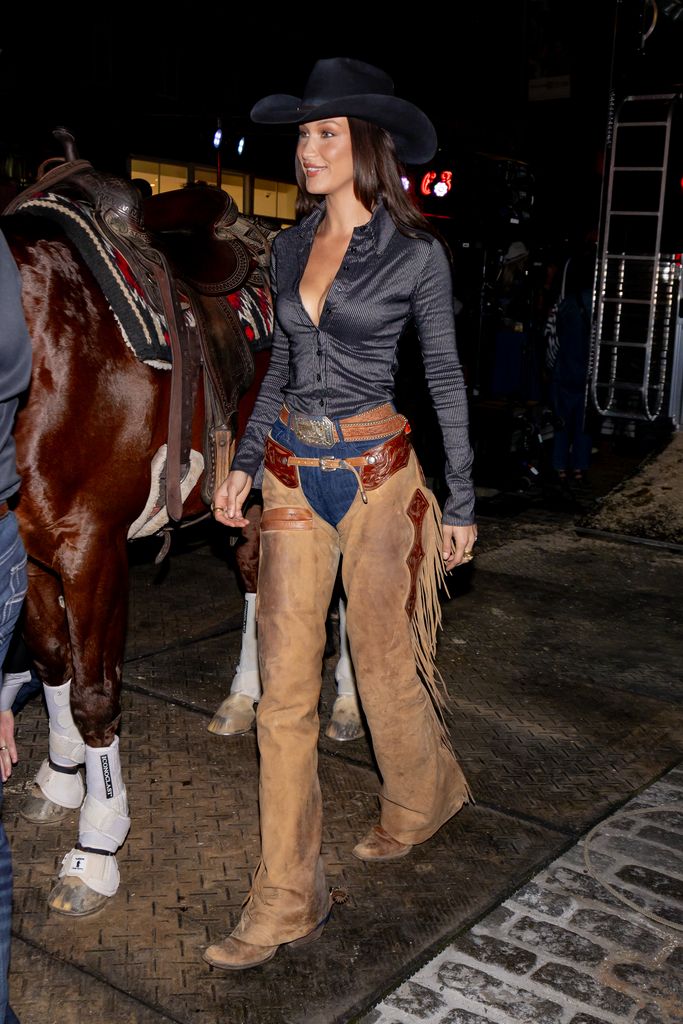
x=156, y=87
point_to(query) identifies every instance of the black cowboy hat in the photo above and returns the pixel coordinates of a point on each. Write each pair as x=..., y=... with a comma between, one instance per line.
x=342, y=87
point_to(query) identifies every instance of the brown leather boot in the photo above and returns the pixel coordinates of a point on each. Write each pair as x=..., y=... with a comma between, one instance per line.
x=379, y=845
x=235, y=955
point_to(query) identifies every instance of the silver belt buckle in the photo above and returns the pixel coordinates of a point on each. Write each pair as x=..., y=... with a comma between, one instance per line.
x=318, y=431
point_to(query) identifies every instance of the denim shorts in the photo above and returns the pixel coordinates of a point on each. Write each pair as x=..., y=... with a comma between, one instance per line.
x=330, y=493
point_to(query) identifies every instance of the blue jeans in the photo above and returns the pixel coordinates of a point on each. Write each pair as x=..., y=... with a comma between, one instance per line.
x=330, y=493
x=13, y=585
x=572, y=445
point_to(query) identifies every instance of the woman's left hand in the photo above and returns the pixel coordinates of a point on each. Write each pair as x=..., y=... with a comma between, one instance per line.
x=458, y=545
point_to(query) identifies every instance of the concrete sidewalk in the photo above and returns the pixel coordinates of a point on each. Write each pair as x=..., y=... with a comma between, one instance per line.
x=562, y=659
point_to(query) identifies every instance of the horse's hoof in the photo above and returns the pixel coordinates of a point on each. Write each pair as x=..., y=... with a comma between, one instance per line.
x=234, y=717
x=345, y=723
x=72, y=896
x=40, y=809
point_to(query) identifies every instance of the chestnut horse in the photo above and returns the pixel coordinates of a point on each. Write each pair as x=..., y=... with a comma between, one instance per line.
x=93, y=419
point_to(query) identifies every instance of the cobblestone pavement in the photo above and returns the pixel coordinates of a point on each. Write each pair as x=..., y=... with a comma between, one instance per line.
x=561, y=655
x=597, y=938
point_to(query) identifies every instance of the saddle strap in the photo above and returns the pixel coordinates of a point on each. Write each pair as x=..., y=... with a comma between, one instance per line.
x=186, y=362
x=228, y=371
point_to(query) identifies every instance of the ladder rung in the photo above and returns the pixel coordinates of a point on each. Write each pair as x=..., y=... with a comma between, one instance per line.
x=633, y=213
x=651, y=97
x=623, y=344
x=623, y=256
x=653, y=169
x=622, y=385
x=639, y=124
x=633, y=302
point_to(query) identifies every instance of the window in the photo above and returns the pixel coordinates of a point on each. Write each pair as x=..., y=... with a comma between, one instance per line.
x=162, y=177
x=231, y=183
x=274, y=199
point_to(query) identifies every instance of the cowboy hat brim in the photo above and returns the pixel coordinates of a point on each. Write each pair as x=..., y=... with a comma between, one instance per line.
x=413, y=133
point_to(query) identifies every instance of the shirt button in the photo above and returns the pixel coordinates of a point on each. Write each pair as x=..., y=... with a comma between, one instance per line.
x=319, y=352
x=319, y=377
x=321, y=402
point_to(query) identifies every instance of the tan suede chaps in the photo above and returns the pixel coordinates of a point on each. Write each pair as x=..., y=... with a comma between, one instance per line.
x=391, y=568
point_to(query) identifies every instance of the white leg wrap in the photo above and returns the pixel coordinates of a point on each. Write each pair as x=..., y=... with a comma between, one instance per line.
x=12, y=682
x=247, y=679
x=60, y=788
x=66, y=743
x=99, y=872
x=104, y=821
x=104, y=826
x=344, y=675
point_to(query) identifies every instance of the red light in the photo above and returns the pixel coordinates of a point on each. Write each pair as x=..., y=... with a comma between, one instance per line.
x=426, y=182
x=447, y=178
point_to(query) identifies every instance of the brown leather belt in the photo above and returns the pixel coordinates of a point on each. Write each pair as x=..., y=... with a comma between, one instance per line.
x=4, y=509
x=371, y=468
x=366, y=426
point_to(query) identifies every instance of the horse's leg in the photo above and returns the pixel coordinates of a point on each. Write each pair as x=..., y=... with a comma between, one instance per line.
x=97, y=621
x=345, y=722
x=58, y=787
x=236, y=714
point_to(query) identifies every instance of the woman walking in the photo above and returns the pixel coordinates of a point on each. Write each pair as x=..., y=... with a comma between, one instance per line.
x=341, y=478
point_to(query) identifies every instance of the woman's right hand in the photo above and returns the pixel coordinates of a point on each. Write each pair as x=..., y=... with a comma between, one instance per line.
x=229, y=498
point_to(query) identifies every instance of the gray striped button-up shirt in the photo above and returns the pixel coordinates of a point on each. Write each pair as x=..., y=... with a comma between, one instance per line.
x=345, y=365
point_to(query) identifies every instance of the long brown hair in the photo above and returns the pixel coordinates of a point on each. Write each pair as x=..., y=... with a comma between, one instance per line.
x=376, y=172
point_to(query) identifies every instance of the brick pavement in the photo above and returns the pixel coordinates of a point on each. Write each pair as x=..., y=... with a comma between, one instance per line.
x=596, y=938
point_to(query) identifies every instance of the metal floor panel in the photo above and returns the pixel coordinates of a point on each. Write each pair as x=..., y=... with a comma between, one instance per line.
x=185, y=873
x=50, y=991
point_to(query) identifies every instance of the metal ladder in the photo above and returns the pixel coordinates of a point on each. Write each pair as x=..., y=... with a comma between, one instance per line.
x=636, y=285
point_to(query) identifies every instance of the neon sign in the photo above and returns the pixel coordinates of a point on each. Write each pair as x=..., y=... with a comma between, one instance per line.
x=426, y=182
x=431, y=187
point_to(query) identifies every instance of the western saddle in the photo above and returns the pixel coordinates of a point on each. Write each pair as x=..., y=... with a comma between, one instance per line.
x=190, y=242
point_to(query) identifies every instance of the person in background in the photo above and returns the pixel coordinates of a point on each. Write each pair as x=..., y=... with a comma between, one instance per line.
x=15, y=372
x=567, y=356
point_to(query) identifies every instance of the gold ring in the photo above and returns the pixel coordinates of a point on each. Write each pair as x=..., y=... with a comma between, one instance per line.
x=468, y=556
x=5, y=747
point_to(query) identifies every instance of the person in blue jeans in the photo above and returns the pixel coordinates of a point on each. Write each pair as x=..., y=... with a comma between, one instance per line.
x=15, y=372
x=567, y=359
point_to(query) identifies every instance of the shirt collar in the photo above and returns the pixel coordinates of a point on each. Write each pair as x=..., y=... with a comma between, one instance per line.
x=379, y=229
